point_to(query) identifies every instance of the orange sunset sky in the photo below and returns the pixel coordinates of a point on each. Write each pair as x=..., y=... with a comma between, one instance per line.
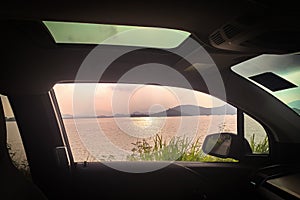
x=108, y=99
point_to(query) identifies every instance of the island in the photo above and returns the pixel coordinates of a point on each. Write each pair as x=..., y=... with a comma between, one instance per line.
x=182, y=110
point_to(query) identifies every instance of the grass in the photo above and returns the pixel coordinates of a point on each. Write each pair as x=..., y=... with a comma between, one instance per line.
x=182, y=149
x=176, y=149
x=261, y=147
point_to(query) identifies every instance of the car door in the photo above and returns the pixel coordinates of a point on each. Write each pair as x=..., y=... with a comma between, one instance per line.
x=147, y=172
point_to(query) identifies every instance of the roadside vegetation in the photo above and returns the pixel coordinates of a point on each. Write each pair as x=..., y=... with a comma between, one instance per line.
x=262, y=147
x=182, y=149
x=175, y=149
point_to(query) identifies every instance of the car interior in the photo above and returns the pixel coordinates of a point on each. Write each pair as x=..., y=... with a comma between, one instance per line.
x=243, y=53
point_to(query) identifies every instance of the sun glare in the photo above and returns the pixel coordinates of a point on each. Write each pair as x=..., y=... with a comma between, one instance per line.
x=125, y=99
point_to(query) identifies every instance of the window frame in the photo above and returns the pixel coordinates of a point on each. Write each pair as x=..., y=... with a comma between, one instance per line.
x=69, y=160
x=249, y=157
x=24, y=166
x=240, y=132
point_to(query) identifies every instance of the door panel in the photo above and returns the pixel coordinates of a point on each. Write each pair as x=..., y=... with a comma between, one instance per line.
x=176, y=181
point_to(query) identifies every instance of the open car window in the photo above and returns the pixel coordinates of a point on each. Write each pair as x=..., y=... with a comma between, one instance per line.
x=131, y=122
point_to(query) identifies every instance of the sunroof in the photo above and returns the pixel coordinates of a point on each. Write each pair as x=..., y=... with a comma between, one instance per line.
x=87, y=33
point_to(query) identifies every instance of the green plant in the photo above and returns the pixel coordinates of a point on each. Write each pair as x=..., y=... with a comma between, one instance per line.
x=177, y=148
x=260, y=147
x=160, y=150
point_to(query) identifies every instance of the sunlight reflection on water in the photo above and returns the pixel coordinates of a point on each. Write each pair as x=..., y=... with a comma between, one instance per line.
x=115, y=143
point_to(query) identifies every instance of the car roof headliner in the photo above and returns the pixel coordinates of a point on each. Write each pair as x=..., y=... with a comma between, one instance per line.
x=32, y=58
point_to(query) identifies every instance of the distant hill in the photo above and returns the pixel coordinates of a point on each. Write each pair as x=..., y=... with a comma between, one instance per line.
x=183, y=110
x=295, y=104
x=297, y=110
x=191, y=110
x=139, y=114
x=121, y=115
x=67, y=116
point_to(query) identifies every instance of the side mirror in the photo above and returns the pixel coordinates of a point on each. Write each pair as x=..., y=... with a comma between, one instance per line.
x=225, y=145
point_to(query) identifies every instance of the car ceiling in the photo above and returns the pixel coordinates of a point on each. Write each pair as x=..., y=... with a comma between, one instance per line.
x=32, y=58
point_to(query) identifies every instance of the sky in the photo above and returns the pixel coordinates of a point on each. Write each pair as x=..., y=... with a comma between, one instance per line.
x=109, y=99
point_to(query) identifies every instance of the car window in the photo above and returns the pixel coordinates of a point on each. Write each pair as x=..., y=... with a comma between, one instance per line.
x=87, y=33
x=14, y=141
x=276, y=74
x=256, y=135
x=130, y=122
